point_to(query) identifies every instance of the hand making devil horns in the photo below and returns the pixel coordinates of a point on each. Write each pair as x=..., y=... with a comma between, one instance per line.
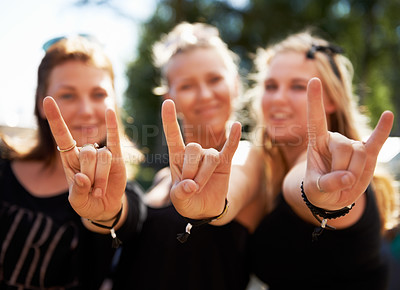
x=96, y=177
x=200, y=177
x=340, y=167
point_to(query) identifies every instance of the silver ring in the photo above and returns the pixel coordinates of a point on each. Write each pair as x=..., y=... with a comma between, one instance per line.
x=318, y=185
x=68, y=149
x=95, y=145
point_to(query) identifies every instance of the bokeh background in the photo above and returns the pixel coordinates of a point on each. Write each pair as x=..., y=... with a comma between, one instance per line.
x=368, y=30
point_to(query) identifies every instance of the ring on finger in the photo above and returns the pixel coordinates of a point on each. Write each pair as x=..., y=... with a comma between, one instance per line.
x=67, y=149
x=318, y=185
x=95, y=145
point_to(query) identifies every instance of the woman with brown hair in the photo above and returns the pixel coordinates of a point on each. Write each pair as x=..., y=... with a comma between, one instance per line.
x=43, y=242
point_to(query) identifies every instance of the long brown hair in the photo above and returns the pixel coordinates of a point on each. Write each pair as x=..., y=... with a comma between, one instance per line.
x=78, y=48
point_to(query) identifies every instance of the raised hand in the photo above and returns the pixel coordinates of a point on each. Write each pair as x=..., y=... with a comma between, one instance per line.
x=96, y=177
x=340, y=167
x=200, y=177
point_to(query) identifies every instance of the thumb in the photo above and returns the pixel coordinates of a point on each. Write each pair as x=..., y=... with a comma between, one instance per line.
x=184, y=190
x=336, y=181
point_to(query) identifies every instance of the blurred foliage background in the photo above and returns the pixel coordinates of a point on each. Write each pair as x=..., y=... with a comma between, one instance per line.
x=368, y=30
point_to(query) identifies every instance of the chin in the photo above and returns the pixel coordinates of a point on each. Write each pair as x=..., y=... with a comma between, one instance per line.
x=82, y=141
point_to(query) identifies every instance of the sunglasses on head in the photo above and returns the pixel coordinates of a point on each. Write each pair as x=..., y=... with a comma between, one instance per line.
x=54, y=40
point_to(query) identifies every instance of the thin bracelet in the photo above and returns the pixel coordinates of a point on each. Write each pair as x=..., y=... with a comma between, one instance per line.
x=182, y=237
x=324, y=213
x=116, y=242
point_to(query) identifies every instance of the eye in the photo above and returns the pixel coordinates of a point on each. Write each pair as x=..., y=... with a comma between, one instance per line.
x=66, y=96
x=299, y=87
x=100, y=95
x=185, y=87
x=270, y=86
x=215, y=79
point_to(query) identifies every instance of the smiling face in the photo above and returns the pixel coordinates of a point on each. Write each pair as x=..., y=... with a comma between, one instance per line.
x=284, y=102
x=203, y=89
x=82, y=93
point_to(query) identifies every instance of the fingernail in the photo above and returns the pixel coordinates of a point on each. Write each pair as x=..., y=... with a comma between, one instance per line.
x=79, y=182
x=97, y=192
x=346, y=180
x=189, y=187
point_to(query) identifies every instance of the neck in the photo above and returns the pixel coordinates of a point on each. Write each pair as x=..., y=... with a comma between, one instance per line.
x=206, y=139
x=293, y=154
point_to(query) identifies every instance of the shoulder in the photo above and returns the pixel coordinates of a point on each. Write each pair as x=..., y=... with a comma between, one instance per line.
x=132, y=187
x=247, y=151
x=158, y=194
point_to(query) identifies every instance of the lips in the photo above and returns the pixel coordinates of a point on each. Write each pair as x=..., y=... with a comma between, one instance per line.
x=86, y=130
x=84, y=127
x=279, y=116
x=206, y=111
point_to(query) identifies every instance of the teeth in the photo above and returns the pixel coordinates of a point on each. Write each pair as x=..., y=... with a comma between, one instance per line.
x=280, y=116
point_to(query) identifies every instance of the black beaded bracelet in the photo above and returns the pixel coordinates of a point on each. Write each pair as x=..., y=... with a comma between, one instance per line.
x=182, y=237
x=324, y=213
x=116, y=242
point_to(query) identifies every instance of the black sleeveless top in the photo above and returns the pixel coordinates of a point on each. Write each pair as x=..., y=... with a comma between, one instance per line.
x=283, y=255
x=213, y=257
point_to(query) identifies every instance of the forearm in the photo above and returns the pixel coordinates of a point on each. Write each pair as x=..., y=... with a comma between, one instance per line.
x=246, y=194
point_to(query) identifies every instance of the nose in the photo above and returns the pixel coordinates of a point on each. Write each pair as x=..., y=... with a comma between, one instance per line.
x=204, y=91
x=86, y=106
x=280, y=95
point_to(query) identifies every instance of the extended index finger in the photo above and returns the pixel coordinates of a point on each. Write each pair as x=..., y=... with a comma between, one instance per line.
x=57, y=125
x=172, y=131
x=316, y=118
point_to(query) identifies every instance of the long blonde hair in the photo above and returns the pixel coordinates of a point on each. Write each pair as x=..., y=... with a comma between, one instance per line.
x=336, y=74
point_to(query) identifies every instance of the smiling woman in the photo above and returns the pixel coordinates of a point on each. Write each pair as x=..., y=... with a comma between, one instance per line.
x=200, y=75
x=43, y=242
x=52, y=19
x=82, y=93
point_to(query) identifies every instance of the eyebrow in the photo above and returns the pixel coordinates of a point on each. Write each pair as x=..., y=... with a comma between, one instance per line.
x=62, y=86
x=270, y=79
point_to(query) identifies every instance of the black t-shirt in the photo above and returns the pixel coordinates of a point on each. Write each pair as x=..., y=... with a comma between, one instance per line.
x=283, y=255
x=213, y=257
x=43, y=244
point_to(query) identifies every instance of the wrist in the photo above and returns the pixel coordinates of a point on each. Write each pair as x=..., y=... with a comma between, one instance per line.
x=110, y=220
x=322, y=215
x=196, y=223
x=116, y=242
